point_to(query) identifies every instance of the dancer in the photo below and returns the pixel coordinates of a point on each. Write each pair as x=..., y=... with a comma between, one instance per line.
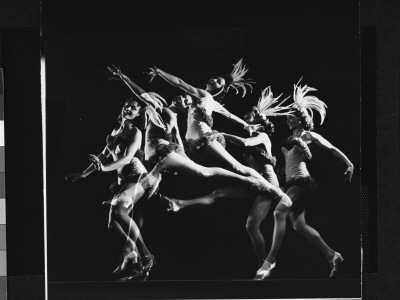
x=299, y=183
x=257, y=155
x=199, y=134
x=124, y=144
x=166, y=155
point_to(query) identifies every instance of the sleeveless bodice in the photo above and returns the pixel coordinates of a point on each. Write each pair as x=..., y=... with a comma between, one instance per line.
x=296, y=155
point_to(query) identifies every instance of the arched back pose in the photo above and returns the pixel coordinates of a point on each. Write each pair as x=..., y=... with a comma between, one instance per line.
x=124, y=144
x=167, y=155
x=199, y=122
x=257, y=155
x=299, y=183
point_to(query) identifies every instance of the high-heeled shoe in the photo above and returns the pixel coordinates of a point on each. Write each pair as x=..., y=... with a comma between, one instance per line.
x=337, y=258
x=148, y=263
x=265, y=271
x=135, y=275
x=172, y=205
x=131, y=258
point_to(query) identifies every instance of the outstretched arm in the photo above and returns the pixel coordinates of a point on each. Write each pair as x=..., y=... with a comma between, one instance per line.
x=177, y=82
x=137, y=90
x=102, y=157
x=126, y=159
x=223, y=111
x=319, y=140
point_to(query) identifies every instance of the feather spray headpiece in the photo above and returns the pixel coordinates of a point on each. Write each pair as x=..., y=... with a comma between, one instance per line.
x=266, y=101
x=236, y=80
x=308, y=103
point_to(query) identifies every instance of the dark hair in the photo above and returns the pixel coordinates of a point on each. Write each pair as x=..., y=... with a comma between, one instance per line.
x=267, y=126
x=140, y=120
x=305, y=118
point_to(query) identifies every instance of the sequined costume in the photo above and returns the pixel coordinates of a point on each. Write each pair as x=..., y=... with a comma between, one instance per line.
x=199, y=122
x=159, y=144
x=297, y=153
x=130, y=173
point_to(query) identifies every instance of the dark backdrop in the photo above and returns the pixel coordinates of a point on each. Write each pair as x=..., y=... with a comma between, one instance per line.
x=208, y=242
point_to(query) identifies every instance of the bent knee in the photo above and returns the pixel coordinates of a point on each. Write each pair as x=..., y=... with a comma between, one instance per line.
x=252, y=225
x=298, y=227
x=280, y=214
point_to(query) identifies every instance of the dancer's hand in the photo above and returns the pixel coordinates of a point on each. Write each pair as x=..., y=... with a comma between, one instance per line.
x=116, y=71
x=253, y=127
x=348, y=174
x=96, y=162
x=75, y=177
x=153, y=72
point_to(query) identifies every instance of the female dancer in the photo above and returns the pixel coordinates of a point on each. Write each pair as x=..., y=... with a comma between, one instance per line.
x=123, y=144
x=199, y=133
x=167, y=155
x=258, y=155
x=299, y=183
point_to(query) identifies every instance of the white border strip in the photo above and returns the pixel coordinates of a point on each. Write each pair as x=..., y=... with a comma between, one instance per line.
x=43, y=99
x=2, y=133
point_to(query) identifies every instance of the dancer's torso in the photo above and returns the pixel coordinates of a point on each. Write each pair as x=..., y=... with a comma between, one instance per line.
x=118, y=145
x=295, y=152
x=199, y=119
x=260, y=159
x=156, y=136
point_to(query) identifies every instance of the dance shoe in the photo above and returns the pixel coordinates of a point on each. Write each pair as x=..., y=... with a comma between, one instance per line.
x=135, y=275
x=131, y=258
x=337, y=258
x=264, y=271
x=148, y=263
x=172, y=205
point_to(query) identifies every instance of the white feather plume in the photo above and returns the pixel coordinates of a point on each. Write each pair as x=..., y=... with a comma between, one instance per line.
x=237, y=78
x=267, y=104
x=308, y=102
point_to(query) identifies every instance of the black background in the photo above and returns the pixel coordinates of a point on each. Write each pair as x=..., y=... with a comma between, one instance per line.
x=211, y=242
x=376, y=284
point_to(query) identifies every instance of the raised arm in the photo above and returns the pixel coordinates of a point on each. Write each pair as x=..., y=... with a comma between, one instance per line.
x=319, y=140
x=126, y=159
x=137, y=90
x=177, y=82
x=102, y=157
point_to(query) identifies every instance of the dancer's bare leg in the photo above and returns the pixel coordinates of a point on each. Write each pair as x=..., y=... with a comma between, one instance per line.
x=218, y=152
x=229, y=192
x=257, y=214
x=297, y=216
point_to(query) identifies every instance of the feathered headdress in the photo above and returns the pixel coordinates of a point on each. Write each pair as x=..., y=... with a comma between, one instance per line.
x=236, y=80
x=308, y=103
x=266, y=101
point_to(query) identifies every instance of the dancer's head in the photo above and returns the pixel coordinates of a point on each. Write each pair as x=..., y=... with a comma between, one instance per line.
x=182, y=102
x=300, y=119
x=267, y=106
x=218, y=86
x=132, y=112
x=303, y=106
x=253, y=116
